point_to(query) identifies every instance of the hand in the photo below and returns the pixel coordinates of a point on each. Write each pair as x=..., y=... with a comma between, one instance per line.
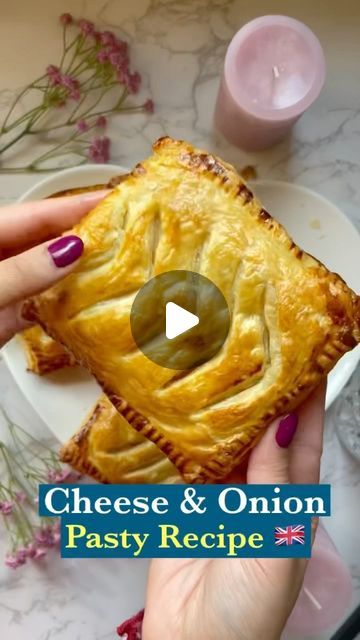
x=28, y=267
x=241, y=599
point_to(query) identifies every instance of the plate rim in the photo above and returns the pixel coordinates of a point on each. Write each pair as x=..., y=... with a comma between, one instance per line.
x=281, y=183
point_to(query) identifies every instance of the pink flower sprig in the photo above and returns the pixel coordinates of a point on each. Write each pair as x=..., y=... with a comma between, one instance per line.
x=74, y=97
x=24, y=463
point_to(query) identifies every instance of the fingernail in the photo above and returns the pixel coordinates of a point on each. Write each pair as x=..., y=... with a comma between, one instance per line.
x=286, y=430
x=66, y=250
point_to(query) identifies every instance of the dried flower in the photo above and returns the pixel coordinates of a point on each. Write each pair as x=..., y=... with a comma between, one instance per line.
x=75, y=94
x=131, y=629
x=122, y=76
x=82, y=126
x=133, y=81
x=149, y=106
x=45, y=537
x=99, y=150
x=20, y=496
x=54, y=75
x=108, y=38
x=92, y=66
x=102, y=56
x=6, y=507
x=57, y=533
x=68, y=82
x=66, y=18
x=86, y=27
x=117, y=59
x=12, y=562
x=31, y=550
x=122, y=47
x=72, y=85
x=101, y=122
x=22, y=554
x=52, y=476
x=39, y=553
x=58, y=476
x=16, y=559
x=30, y=536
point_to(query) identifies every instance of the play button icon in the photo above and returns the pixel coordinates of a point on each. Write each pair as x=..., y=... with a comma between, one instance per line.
x=179, y=319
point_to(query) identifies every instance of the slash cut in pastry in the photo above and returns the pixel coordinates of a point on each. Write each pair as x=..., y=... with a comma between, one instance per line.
x=107, y=448
x=291, y=319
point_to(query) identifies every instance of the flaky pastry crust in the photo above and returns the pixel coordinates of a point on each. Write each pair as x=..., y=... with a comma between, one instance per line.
x=291, y=319
x=43, y=354
x=107, y=448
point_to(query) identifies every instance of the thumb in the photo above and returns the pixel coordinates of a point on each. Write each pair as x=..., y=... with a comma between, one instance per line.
x=38, y=269
x=269, y=462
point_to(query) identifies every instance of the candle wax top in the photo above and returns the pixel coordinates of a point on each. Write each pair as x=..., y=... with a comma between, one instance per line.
x=275, y=67
x=273, y=64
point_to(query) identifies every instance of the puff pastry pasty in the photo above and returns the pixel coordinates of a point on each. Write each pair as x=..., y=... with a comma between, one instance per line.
x=43, y=354
x=110, y=450
x=291, y=319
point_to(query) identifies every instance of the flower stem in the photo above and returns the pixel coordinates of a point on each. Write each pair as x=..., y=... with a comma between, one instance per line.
x=75, y=42
x=4, y=129
x=12, y=142
x=23, y=118
x=64, y=46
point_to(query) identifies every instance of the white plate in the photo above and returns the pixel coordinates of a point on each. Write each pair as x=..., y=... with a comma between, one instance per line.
x=323, y=230
x=64, y=398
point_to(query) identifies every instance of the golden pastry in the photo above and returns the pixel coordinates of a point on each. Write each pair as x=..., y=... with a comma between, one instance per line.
x=43, y=354
x=291, y=319
x=107, y=448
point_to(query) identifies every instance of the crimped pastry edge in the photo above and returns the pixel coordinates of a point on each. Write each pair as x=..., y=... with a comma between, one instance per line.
x=74, y=452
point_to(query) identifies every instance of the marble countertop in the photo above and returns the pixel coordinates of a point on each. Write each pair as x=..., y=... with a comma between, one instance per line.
x=179, y=46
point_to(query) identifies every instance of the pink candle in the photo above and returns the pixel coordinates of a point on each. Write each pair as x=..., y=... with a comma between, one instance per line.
x=274, y=69
x=326, y=593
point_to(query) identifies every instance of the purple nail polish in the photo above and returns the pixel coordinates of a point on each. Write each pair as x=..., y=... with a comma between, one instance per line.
x=66, y=250
x=286, y=430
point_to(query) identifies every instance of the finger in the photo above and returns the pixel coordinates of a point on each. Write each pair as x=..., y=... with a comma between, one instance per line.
x=237, y=475
x=37, y=269
x=11, y=322
x=306, y=447
x=32, y=222
x=269, y=462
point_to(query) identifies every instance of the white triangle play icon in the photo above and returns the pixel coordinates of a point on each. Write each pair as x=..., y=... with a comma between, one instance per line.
x=178, y=320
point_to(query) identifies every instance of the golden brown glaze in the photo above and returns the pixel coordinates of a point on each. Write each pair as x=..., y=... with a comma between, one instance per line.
x=43, y=354
x=111, y=451
x=291, y=318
